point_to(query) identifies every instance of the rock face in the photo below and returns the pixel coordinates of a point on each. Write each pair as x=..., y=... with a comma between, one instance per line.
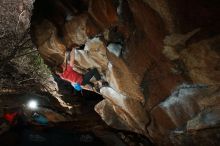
x=22, y=70
x=165, y=82
x=14, y=25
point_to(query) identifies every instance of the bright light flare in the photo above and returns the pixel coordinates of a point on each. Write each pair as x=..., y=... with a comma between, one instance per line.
x=32, y=104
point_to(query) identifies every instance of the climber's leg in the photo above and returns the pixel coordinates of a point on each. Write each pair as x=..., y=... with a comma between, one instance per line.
x=87, y=77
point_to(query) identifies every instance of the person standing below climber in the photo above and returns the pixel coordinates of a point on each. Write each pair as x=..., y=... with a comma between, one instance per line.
x=78, y=80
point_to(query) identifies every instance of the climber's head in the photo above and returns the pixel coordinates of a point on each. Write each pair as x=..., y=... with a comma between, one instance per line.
x=59, y=69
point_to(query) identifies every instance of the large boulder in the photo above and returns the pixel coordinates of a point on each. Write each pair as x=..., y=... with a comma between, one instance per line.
x=165, y=82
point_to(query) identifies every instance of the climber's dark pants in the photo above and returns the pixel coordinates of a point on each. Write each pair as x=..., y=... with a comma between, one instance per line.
x=87, y=77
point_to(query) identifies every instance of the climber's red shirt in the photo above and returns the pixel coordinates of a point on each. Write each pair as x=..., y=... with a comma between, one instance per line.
x=72, y=76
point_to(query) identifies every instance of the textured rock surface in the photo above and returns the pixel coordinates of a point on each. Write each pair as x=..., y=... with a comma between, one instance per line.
x=22, y=70
x=165, y=84
x=134, y=117
x=14, y=23
x=50, y=47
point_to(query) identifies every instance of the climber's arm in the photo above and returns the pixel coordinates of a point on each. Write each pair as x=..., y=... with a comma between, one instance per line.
x=72, y=57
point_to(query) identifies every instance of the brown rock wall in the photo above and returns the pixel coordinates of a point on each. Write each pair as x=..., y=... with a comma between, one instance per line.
x=166, y=81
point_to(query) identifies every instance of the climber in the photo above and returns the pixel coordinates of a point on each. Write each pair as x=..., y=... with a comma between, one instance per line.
x=78, y=80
